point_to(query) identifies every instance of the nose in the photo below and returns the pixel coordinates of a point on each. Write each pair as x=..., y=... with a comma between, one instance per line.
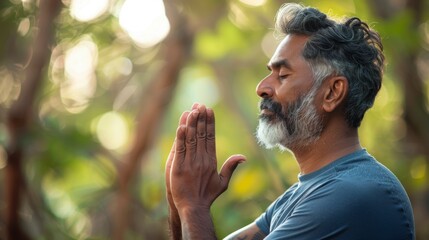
x=264, y=89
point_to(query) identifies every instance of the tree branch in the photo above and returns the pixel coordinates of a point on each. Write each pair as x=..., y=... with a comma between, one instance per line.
x=175, y=52
x=19, y=116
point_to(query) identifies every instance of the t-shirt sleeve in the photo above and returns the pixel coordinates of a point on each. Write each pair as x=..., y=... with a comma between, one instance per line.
x=264, y=221
x=318, y=217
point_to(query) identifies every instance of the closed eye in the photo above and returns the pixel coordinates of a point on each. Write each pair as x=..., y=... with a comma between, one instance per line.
x=283, y=77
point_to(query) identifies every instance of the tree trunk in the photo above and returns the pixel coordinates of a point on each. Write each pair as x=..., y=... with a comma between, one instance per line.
x=416, y=115
x=176, y=51
x=20, y=115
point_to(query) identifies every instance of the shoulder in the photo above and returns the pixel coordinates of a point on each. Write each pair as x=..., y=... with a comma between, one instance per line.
x=357, y=199
x=349, y=209
x=369, y=179
x=365, y=199
x=364, y=183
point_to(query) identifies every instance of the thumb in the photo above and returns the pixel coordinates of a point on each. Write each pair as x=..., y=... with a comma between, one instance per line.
x=229, y=167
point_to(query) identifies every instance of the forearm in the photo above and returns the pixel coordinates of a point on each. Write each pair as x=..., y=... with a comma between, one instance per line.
x=197, y=224
x=175, y=225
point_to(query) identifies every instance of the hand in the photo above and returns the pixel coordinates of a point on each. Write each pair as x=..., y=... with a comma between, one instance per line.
x=194, y=179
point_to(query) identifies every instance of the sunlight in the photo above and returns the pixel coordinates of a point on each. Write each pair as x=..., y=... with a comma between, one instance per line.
x=24, y=26
x=254, y=3
x=112, y=131
x=57, y=198
x=80, y=84
x=269, y=44
x=87, y=10
x=197, y=86
x=144, y=21
x=237, y=16
x=10, y=89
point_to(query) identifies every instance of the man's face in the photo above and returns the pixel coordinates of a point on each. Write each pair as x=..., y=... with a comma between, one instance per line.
x=289, y=118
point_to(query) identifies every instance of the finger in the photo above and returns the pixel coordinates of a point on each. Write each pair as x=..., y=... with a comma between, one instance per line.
x=182, y=121
x=190, y=136
x=195, y=106
x=201, y=128
x=228, y=169
x=180, y=150
x=168, y=169
x=210, y=134
x=183, y=118
x=169, y=161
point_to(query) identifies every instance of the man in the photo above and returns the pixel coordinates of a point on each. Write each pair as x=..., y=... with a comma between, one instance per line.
x=323, y=76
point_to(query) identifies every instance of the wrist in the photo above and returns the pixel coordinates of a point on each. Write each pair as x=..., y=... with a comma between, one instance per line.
x=197, y=223
x=175, y=224
x=193, y=210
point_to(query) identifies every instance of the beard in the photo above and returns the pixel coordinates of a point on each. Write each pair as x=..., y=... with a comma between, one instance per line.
x=295, y=127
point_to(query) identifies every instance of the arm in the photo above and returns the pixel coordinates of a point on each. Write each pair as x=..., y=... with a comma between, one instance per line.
x=194, y=180
x=249, y=232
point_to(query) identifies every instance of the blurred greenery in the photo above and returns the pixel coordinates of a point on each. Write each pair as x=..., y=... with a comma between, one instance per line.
x=98, y=74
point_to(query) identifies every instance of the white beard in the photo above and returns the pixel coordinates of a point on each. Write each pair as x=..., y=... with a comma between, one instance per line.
x=270, y=135
x=303, y=118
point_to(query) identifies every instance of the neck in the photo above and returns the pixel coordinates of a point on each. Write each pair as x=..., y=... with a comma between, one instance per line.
x=328, y=148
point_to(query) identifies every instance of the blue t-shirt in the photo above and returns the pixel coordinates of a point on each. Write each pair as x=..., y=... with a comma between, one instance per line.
x=354, y=197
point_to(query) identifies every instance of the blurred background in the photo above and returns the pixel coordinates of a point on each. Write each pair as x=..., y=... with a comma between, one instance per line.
x=91, y=92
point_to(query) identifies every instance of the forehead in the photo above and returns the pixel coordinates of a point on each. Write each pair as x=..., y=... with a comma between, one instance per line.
x=289, y=49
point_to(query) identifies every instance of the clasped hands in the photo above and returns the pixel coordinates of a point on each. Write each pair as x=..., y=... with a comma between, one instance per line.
x=192, y=179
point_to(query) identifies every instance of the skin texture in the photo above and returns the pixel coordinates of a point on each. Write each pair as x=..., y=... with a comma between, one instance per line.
x=174, y=219
x=290, y=77
x=193, y=182
x=192, y=179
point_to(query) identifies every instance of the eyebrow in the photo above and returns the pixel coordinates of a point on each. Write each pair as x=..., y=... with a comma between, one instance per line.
x=279, y=64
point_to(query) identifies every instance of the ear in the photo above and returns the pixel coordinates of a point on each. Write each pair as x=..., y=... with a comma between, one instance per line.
x=335, y=92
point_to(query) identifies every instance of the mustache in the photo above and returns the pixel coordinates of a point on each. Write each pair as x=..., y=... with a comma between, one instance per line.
x=272, y=106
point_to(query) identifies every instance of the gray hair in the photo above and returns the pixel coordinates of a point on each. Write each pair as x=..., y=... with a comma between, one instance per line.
x=349, y=48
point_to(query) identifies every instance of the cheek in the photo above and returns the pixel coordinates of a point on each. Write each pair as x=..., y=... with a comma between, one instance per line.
x=291, y=89
x=287, y=93
x=289, y=96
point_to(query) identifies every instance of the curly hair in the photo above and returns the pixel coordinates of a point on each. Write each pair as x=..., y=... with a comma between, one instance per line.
x=349, y=48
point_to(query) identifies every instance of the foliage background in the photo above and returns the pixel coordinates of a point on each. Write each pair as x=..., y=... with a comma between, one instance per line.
x=98, y=123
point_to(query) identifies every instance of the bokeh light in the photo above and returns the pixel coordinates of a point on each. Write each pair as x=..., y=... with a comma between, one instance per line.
x=197, y=86
x=269, y=44
x=112, y=131
x=88, y=10
x=254, y=3
x=144, y=21
x=80, y=83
